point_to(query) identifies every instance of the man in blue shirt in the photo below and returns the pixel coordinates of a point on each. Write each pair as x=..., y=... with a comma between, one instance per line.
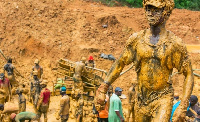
x=115, y=109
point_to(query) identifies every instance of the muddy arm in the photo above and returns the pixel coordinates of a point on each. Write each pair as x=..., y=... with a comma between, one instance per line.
x=188, y=85
x=127, y=57
x=62, y=103
x=40, y=100
x=183, y=64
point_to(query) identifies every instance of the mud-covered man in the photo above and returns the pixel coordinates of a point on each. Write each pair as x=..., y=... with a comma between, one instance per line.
x=88, y=108
x=44, y=101
x=9, y=68
x=79, y=70
x=131, y=102
x=155, y=52
x=35, y=88
x=38, y=68
x=5, y=89
x=21, y=100
x=77, y=91
x=64, y=106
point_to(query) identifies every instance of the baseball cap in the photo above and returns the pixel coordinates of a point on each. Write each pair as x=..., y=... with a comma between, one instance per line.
x=118, y=89
x=63, y=89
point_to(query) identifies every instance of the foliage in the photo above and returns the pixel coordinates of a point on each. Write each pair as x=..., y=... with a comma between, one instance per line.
x=181, y=4
x=135, y=3
x=188, y=4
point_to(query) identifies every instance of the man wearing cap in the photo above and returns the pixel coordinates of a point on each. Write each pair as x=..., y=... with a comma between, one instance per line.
x=155, y=52
x=44, y=101
x=22, y=116
x=115, y=109
x=38, y=68
x=64, y=105
x=90, y=62
x=5, y=89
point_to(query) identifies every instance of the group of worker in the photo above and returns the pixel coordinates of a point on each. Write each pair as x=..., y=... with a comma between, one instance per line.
x=39, y=94
x=82, y=109
x=155, y=53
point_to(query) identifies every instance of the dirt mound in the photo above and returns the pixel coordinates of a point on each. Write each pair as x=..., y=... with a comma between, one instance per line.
x=50, y=30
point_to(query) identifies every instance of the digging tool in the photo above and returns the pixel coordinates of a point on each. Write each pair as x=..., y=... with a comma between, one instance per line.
x=3, y=54
x=6, y=60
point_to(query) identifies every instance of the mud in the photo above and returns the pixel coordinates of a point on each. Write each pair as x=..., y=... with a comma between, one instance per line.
x=49, y=30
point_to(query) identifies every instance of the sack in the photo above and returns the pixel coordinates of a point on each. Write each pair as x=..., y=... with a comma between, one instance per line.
x=10, y=107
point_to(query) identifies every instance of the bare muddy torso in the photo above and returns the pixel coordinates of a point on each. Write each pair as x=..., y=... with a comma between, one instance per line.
x=154, y=72
x=154, y=63
x=79, y=68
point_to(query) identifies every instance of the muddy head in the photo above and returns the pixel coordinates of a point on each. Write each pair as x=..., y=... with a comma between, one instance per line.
x=9, y=60
x=158, y=11
x=83, y=59
x=35, y=75
x=36, y=62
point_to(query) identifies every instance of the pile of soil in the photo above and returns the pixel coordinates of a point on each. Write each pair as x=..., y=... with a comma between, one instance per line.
x=54, y=29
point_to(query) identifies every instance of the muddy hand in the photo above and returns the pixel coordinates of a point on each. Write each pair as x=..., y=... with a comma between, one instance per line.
x=100, y=96
x=58, y=117
x=179, y=115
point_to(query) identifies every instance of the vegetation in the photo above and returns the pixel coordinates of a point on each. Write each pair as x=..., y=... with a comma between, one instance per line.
x=188, y=4
x=181, y=4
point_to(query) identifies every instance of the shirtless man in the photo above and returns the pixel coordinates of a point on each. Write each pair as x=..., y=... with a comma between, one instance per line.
x=21, y=100
x=38, y=68
x=5, y=89
x=79, y=70
x=35, y=88
x=155, y=52
x=131, y=102
x=9, y=68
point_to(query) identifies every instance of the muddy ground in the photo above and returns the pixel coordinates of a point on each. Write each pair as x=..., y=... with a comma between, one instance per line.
x=54, y=29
